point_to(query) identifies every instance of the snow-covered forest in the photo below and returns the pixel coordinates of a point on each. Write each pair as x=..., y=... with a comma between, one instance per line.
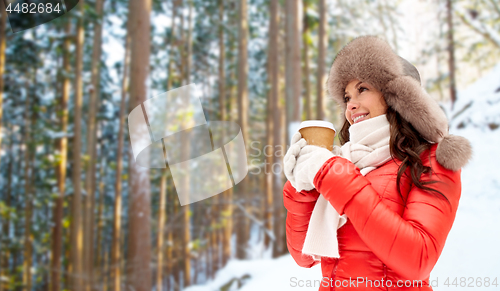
x=77, y=212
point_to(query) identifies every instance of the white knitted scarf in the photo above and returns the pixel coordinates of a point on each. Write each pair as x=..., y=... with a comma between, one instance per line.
x=368, y=148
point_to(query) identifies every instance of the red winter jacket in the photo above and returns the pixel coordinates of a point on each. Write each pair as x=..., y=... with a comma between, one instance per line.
x=385, y=237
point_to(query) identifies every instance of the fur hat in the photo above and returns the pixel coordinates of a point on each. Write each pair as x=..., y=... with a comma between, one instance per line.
x=370, y=59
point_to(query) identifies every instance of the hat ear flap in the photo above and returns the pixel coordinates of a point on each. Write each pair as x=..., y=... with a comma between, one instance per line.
x=453, y=152
x=406, y=96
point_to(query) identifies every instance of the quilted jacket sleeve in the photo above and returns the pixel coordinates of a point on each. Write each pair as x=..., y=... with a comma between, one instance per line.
x=300, y=207
x=410, y=244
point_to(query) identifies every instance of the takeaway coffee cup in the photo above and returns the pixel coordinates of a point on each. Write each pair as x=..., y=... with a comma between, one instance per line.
x=318, y=132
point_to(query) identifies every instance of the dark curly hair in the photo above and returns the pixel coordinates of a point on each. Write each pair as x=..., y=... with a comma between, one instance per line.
x=406, y=144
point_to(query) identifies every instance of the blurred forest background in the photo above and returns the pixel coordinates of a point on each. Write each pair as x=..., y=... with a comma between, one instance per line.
x=75, y=211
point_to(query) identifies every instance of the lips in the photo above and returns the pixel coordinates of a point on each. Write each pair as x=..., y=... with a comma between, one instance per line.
x=359, y=119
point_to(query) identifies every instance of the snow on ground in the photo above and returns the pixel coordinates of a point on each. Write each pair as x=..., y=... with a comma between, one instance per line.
x=472, y=249
x=265, y=274
x=471, y=253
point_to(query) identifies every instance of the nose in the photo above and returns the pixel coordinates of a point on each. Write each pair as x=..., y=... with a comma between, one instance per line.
x=352, y=106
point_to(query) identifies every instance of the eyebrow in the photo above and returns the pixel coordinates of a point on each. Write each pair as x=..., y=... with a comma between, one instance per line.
x=357, y=86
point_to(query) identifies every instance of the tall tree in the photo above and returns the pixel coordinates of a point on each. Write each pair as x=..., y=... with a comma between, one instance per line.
x=101, y=220
x=172, y=42
x=161, y=225
x=117, y=209
x=91, y=147
x=76, y=210
x=305, y=43
x=219, y=232
x=28, y=214
x=5, y=254
x=451, y=52
x=187, y=208
x=170, y=39
x=243, y=223
x=31, y=145
x=228, y=218
x=280, y=133
x=189, y=43
x=272, y=106
x=162, y=212
x=222, y=52
x=321, y=76
x=3, y=21
x=139, y=241
x=292, y=71
x=62, y=148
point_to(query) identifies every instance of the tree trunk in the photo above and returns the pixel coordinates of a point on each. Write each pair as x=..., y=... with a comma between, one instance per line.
x=219, y=244
x=307, y=84
x=170, y=242
x=28, y=235
x=451, y=53
x=178, y=249
x=189, y=43
x=3, y=20
x=293, y=67
x=76, y=282
x=170, y=270
x=61, y=168
x=392, y=24
x=244, y=186
x=139, y=241
x=91, y=150
x=172, y=43
x=187, y=209
x=279, y=246
x=222, y=52
x=105, y=277
x=229, y=218
x=161, y=226
x=380, y=14
x=182, y=49
x=321, y=76
x=100, y=222
x=186, y=225
x=17, y=223
x=5, y=243
x=115, y=268
x=272, y=101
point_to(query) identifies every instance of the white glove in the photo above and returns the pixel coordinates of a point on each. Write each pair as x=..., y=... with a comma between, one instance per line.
x=309, y=161
x=290, y=158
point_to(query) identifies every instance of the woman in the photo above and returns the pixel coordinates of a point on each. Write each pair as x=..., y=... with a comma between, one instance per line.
x=396, y=177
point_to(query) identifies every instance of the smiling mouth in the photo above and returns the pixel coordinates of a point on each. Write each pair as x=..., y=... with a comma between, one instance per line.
x=358, y=119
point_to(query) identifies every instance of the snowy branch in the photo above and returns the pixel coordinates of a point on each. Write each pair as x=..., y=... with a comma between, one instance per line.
x=257, y=221
x=480, y=28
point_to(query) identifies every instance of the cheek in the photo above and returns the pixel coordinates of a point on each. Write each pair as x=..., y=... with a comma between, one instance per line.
x=378, y=104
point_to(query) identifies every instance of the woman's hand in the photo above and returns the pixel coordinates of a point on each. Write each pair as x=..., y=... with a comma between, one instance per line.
x=310, y=160
x=290, y=158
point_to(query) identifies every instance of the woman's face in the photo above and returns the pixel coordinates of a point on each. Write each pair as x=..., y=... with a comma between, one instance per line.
x=363, y=99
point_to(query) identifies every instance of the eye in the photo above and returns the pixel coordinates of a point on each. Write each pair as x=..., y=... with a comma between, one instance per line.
x=362, y=89
x=346, y=99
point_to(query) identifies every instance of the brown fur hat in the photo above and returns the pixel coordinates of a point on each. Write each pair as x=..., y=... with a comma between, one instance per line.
x=370, y=59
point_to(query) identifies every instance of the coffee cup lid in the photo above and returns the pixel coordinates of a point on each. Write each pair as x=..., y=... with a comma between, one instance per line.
x=316, y=123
